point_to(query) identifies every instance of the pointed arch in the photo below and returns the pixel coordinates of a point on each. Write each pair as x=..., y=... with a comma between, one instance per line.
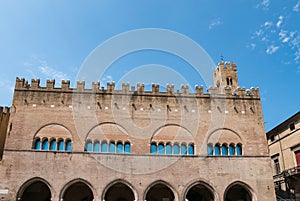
x=160, y=189
x=239, y=191
x=79, y=188
x=119, y=189
x=199, y=190
x=41, y=188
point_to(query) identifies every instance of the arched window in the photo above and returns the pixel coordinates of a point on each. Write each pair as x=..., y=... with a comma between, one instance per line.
x=161, y=148
x=45, y=145
x=176, y=149
x=153, y=148
x=224, y=150
x=231, y=150
x=68, y=145
x=61, y=145
x=97, y=146
x=53, y=145
x=168, y=148
x=191, y=149
x=238, y=149
x=217, y=150
x=89, y=146
x=112, y=147
x=183, y=149
x=127, y=147
x=119, y=147
x=37, y=144
x=104, y=147
x=210, y=149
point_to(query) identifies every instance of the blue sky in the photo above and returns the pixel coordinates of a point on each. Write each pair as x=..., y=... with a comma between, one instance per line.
x=52, y=39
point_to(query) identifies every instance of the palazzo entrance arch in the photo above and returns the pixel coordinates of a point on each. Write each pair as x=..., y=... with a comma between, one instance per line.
x=238, y=192
x=199, y=192
x=77, y=191
x=35, y=189
x=158, y=192
x=119, y=191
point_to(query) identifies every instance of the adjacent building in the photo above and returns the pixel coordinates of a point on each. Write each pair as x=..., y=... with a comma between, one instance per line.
x=284, y=146
x=79, y=144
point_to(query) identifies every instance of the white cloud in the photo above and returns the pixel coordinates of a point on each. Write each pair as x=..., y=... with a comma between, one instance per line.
x=268, y=24
x=272, y=49
x=297, y=56
x=295, y=42
x=274, y=34
x=51, y=73
x=251, y=46
x=105, y=80
x=214, y=23
x=279, y=22
x=39, y=68
x=258, y=33
x=285, y=40
x=283, y=36
x=296, y=7
x=264, y=4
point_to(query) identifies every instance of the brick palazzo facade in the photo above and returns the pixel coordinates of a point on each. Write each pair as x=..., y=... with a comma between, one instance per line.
x=78, y=144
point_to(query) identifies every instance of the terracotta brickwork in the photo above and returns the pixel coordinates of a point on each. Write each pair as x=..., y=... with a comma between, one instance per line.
x=4, y=118
x=226, y=115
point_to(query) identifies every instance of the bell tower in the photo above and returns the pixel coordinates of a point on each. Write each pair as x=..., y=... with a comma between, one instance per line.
x=225, y=75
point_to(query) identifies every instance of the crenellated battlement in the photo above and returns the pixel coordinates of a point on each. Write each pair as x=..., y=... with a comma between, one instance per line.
x=226, y=65
x=4, y=110
x=22, y=85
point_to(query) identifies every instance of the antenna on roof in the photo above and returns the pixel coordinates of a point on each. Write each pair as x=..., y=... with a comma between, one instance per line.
x=222, y=57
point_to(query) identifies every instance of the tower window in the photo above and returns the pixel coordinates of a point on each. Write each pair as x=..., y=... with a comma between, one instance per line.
x=229, y=81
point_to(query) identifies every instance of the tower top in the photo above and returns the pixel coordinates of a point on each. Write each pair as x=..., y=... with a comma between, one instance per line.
x=225, y=75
